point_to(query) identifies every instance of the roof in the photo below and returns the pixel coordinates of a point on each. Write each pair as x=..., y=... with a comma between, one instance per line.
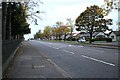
x=117, y=33
x=95, y=33
x=87, y=34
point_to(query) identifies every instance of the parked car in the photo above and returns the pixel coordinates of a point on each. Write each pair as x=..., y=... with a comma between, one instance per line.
x=81, y=40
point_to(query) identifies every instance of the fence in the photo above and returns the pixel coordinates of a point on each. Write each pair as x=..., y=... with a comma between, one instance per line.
x=8, y=47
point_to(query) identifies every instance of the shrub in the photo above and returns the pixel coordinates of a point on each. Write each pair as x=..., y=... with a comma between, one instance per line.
x=102, y=39
x=71, y=38
x=108, y=40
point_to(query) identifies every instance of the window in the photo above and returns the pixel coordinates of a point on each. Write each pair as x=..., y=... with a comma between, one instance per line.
x=112, y=37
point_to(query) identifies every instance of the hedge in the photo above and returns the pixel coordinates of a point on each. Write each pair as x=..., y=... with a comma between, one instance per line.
x=102, y=39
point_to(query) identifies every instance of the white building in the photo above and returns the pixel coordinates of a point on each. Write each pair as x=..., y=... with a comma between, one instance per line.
x=115, y=35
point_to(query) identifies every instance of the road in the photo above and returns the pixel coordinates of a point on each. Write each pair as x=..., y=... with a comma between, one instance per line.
x=80, y=61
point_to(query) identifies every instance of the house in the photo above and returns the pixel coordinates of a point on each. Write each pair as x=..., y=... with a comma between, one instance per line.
x=115, y=35
x=94, y=35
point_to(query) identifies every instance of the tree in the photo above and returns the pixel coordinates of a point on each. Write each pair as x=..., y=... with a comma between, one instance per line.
x=91, y=20
x=61, y=29
x=54, y=33
x=112, y=5
x=39, y=35
x=59, y=23
x=58, y=33
x=70, y=25
x=64, y=30
x=47, y=32
x=32, y=9
x=19, y=21
x=16, y=16
x=57, y=30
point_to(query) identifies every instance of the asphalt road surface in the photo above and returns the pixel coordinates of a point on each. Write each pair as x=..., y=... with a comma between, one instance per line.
x=80, y=61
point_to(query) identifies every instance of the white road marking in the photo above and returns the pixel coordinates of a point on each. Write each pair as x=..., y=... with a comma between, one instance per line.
x=62, y=47
x=39, y=66
x=64, y=73
x=69, y=51
x=50, y=46
x=80, y=46
x=55, y=48
x=98, y=60
x=70, y=45
x=50, y=43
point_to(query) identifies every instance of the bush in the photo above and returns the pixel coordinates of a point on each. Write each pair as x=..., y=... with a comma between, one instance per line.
x=102, y=39
x=71, y=38
x=108, y=40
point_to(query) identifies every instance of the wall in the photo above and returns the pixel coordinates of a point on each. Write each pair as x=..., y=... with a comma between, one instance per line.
x=112, y=34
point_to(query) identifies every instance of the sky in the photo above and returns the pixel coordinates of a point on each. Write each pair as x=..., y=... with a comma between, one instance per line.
x=60, y=10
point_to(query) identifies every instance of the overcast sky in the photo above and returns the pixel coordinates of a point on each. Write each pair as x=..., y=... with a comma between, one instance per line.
x=60, y=10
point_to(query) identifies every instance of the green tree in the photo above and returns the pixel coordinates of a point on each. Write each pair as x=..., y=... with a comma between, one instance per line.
x=19, y=21
x=70, y=25
x=39, y=35
x=112, y=5
x=47, y=32
x=64, y=30
x=91, y=20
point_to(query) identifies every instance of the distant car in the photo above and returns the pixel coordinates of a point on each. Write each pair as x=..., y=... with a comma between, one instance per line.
x=81, y=40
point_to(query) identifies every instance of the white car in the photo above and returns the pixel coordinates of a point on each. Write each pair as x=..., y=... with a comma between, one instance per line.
x=81, y=40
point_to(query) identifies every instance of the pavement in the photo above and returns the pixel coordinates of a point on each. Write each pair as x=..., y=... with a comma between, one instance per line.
x=39, y=59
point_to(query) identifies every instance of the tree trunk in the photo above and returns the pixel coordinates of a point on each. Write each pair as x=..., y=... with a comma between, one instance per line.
x=90, y=40
x=4, y=19
x=65, y=37
x=71, y=34
x=91, y=32
x=9, y=21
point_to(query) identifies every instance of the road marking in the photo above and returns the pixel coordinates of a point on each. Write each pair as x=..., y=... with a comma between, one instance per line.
x=98, y=60
x=50, y=43
x=64, y=73
x=62, y=47
x=55, y=48
x=80, y=46
x=39, y=66
x=49, y=46
x=69, y=51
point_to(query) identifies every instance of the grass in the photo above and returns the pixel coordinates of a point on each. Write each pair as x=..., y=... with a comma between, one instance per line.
x=79, y=43
x=67, y=42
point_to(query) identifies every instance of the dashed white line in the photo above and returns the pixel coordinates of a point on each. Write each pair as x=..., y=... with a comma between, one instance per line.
x=69, y=51
x=98, y=60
